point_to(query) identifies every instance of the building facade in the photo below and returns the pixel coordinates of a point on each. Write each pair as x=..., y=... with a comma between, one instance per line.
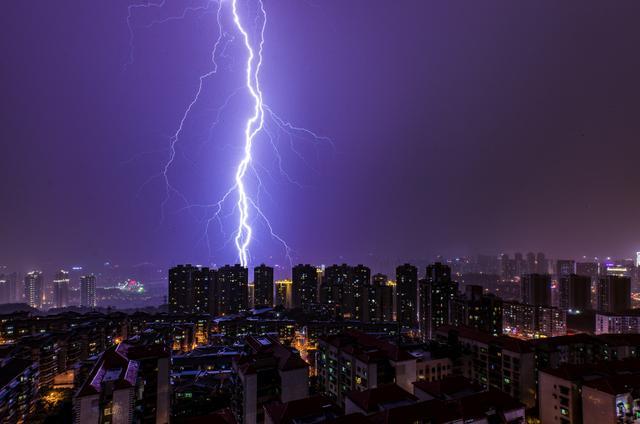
x=304, y=278
x=88, y=291
x=437, y=292
x=407, y=295
x=613, y=294
x=61, y=289
x=34, y=289
x=263, y=286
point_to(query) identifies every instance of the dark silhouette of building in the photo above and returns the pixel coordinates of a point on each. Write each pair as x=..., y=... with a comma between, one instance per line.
x=565, y=268
x=542, y=264
x=378, y=299
x=536, y=289
x=507, y=267
x=407, y=295
x=519, y=264
x=336, y=281
x=304, y=285
x=88, y=291
x=263, y=286
x=8, y=288
x=192, y=290
x=613, y=294
x=61, y=289
x=355, y=293
x=437, y=291
x=589, y=269
x=531, y=266
x=232, y=291
x=574, y=293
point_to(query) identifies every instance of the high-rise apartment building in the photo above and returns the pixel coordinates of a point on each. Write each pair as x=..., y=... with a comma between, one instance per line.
x=437, y=291
x=613, y=294
x=88, y=291
x=8, y=287
x=565, y=267
x=232, y=291
x=355, y=293
x=305, y=285
x=336, y=287
x=536, y=289
x=478, y=310
x=407, y=295
x=575, y=293
x=589, y=269
x=61, y=289
x=284, y=293
x=33, y=288
x=192, y=290
x=263, y=286
x=378, y=300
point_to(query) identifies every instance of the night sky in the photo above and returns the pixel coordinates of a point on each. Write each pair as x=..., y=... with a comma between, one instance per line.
x=459, y=127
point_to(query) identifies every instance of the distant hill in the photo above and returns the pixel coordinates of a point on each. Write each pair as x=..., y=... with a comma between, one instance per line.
x=11, y=308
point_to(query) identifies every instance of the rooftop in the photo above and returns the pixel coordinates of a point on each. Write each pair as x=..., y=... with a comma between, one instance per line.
x=507, y=343
x=311, y=409
x=474, y=407
x=451, y=387
x=616, y=384
x=590, y=372
x=365, y=347
x=267, y=351
x=113, y=367
x=381, y=398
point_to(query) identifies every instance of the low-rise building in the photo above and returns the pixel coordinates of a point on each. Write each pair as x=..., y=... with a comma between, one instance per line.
x=490, y=406
x=18, y=389
x=109, y=393
x=533, y=321
x=267, y=372
x=453, y=387
x=561, y=390
x=357, y=361
x=314, y=409
x=504, y=363
x=618, y=323
x=375, y=400
x=611, y=399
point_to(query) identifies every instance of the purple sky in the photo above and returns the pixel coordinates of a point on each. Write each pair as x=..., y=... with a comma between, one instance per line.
x=459, y=127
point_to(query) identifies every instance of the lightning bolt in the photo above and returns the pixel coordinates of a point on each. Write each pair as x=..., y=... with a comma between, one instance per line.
x=253, y=126
x=246, y=206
